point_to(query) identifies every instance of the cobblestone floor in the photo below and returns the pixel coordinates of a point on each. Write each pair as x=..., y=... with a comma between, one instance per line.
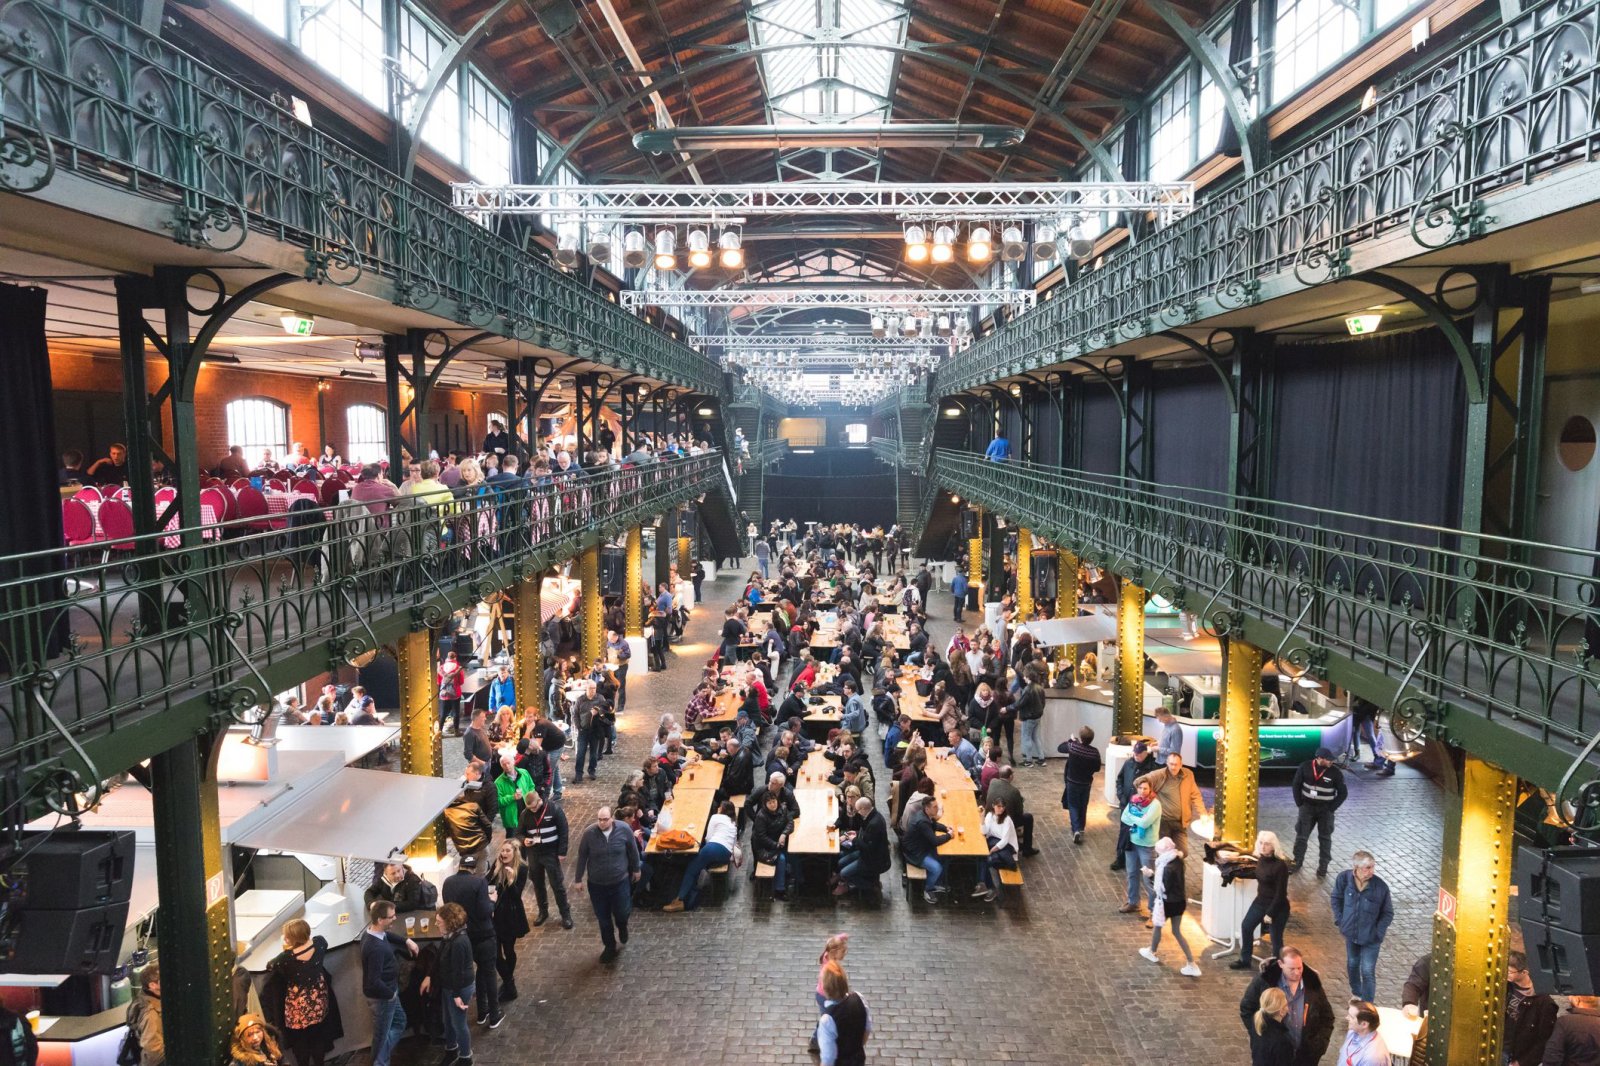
x=1052, y=977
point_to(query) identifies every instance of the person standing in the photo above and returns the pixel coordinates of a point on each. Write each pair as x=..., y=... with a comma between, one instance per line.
x=1029, y=708
x=1575, y=1040
x=1530, y=1016
x=1171, y=900
x=618, y=652
x=609, y=857
x=999, y=449
x=846, y=1023
x=1181, y=801
x=1171, y=734
x=1362, y=1045
x=450, y=679
x=1142, y=763
x=1270, y=1042
x=1272, y=900
x=1142, y=816
x=502, y=690
x=509, y=875
x=476, y=897
x=1362, y=909
x=544, y=840
x=297, y=996
x=958, y=589
x=1083, y=762
x=380, y=979
x=1319, y=791
x=1309, y=1018
x=475, y=745
x=588, y=722
x=144, y=1020
x=456, y=976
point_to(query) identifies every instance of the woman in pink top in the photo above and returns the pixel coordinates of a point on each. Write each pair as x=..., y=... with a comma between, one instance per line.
x=832, y=952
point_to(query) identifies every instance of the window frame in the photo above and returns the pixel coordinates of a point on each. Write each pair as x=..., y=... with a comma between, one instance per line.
x=283, y=411
x=351, y=442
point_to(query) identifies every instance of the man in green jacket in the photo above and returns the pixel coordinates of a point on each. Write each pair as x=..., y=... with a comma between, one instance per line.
x=510, y=788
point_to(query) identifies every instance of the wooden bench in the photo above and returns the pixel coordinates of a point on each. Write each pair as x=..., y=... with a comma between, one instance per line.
x=1011, y=877
x=910, y=877
x=719, y=882
x=763, y=875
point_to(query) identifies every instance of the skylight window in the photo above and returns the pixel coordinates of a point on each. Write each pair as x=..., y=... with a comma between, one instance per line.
x=838, y=77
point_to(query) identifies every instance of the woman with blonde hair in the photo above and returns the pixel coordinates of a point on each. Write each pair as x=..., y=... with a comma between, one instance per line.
x=833, y=953
x=298, y=998
x=253, y=1043
x=1270, y=1042
x=1272, y=899
x=509, y=876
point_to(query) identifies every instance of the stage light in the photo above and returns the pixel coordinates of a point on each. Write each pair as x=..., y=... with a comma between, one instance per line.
x=731, y=253
x=944, y=239
x=944, y=325
x=635, y=252
x=909, y=325
x=600, y=247
x=1012, y=246
x=699, y=242
x=1045, y=242
x=1078, y=243
x=916, y=244
x=979, y=246
x=666, y=249
x=877, y=326
x=567, y=250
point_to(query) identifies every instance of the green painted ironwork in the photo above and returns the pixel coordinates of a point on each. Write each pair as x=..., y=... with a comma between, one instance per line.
x=259, y=606
x=83, y=91
x=1485, y=648
x=1505, y=107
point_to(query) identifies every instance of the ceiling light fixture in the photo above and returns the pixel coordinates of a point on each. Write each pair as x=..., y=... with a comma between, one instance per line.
x=1358, y=325
x=635, y=252
x=1079, y=246
x=1046, y=242
x=916, y=244
x=944, y=239
x=357, y=374
x=877, y=326
x=979, y=245
x=666, y=249
x=1012, y=247
x=943, y=325
x=731, y=254
x=699, y=242
x=600, y=247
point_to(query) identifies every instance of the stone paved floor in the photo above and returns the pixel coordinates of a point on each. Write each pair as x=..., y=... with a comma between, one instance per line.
x=1050, y=978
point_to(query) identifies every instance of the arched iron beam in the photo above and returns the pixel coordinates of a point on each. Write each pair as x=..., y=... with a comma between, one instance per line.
x=451, y=351
x=1439, y=316
x=1205, y=352
x=1111, y=383
x=219, y=318
x=1215, y=64
x=737, y=54
x=444, y=68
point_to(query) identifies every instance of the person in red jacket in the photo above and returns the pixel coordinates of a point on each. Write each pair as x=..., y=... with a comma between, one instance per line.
x=450, y=679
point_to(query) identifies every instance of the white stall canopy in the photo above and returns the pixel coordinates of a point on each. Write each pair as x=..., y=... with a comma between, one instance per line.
x=1088, y=629
x=359, y=814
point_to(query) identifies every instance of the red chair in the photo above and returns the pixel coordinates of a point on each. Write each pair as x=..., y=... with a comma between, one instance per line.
x=115, y=492
x=210, y=482
x=77, y=522
x=328, y=492
x=278, y=484
x=253, y=507
x=89, y=493
x=239, y=483
x=116, y=522
x=216, y=499
x=165, y=495
x=305, y=487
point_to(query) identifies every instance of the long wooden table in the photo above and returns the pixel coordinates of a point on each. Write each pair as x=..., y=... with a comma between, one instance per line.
x=690, y=805
x=814, y=832
x=959, y=797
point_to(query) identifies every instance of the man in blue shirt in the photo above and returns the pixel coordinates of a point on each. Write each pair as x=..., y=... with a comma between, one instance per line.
x=1171, y=734
x=854, y=718
x=964, y=752
x=502, y=690
x=380, y=979
x=999, y=449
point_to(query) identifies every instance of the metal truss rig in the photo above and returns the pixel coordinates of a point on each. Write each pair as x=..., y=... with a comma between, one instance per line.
x=833, y=296
x=910, y=201
x=815, y=342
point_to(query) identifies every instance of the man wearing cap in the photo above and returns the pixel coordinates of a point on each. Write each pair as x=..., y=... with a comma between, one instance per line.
x=1143, y=762
x=1319, y=790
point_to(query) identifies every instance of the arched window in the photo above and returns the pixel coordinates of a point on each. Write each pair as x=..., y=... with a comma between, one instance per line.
x=257, y=424
x=855, y=433
x=366, y=434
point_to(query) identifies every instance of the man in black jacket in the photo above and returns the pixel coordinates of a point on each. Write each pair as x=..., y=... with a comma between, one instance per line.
x=544, y=841
x=468, y=888
x=380, y=979
x=467, y=821
x=739, y=770
x=1530, y=1017
x=396, y=883
x=862, y=866
x=1308, y=1004
x=1319, y=790
x=1143, y=762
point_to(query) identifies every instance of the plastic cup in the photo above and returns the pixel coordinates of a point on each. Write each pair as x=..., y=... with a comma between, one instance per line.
x=411, y=925
x=33, y=1020
x=424, y=921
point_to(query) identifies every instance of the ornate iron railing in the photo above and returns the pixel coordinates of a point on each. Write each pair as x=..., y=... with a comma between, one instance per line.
x=83, y=91
x=99, y=639
x=1505, y=107
x=1451, y=628
x=888, y=449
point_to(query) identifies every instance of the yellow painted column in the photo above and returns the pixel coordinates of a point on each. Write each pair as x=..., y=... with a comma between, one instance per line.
x=1024, y=574
x=1066, y=605
x=529, y=667
x=594, y=630
x=1129, y=708
x=1239, y=743
x=1467, y=986
x=975, y=560
x=421, y=747
x=632, y=606
x=685, y=548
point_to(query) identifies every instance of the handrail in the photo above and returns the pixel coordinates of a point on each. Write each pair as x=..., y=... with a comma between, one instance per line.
x=1505, y=638
x=1504, y=107
x=85, y=91
x=113, y=642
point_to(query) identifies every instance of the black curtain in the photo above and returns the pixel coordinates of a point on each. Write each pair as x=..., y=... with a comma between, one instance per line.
x=1102, y=430
x=31, y=519
x=1046, y=429
x=1241, y=41
x=1372, y=427
x=1191, y=429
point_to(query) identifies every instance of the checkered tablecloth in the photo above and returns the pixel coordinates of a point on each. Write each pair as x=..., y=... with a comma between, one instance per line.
x=281, y=502
x=208, y=519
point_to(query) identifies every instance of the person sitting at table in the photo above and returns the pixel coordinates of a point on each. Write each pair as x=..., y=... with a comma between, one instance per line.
x=1001, y=834
x=664, y=729
x=112, y=469
x=778, y=763
x=962, y=751
x=920, y=844
x=849, y=820
x=71, y=471
x=749, y=736
x=702, y=705
x=657, y=789
x=858, y=775
x=769, y=841
x=794, y=704
x=720, y=847
x=866, y=858
x=992, y=761
x=806, y=675
x=775, y=782
x=739, y=770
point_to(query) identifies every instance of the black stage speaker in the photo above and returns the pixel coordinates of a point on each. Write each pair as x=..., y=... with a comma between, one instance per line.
x=613, y=570
x=1560, y=886
x=65, y=901
x=1563, y=963
x=969, y=525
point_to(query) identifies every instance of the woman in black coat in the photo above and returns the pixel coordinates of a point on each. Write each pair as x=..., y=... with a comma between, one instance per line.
x=769, y=839
x=508, y=876
x=1270, y=1042
x=298, y=998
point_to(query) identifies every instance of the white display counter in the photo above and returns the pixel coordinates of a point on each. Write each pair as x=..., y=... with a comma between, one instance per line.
x=1222, y=908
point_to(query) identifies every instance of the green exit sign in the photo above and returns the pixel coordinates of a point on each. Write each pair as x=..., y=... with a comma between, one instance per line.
x=298, y=325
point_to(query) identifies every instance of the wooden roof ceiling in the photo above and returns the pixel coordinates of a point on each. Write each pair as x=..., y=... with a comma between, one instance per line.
x=998, y=61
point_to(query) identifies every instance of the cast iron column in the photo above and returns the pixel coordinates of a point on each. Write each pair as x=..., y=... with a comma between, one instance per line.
x=1239, y=744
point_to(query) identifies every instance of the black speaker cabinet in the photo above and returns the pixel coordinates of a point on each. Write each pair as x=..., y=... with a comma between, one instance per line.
x=1560, y=886
x=969, y=525
x=1563, y=963
x=66, y=941
x=72, y=870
